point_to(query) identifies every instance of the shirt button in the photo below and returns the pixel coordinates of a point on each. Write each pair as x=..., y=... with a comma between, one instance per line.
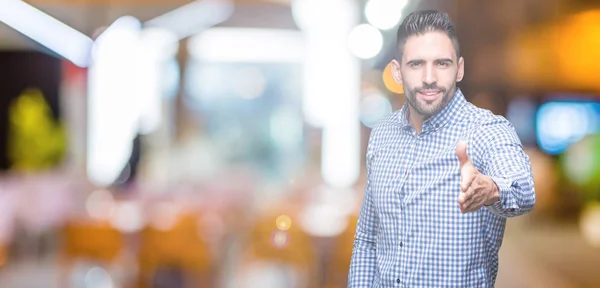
x=398, y=280
x=401, y=244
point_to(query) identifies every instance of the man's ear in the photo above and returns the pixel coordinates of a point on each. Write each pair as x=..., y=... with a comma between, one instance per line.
x=461, y=69
x=396, y=71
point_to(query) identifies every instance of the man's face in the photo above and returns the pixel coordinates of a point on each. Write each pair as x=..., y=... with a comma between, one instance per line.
x=428, y=71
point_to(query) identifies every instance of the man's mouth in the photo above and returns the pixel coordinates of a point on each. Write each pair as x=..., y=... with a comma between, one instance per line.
x=429, y=94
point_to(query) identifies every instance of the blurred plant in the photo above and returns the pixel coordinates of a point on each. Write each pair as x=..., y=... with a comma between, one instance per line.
x=581, y=166
x=36, y=141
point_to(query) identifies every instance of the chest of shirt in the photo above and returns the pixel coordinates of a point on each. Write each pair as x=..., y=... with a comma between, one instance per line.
x=417, y=170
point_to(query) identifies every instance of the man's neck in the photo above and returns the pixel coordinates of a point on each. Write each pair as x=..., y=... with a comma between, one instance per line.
x=415, y=119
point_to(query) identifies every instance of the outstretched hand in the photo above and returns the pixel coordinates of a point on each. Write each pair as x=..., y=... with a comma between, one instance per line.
x=476, y=189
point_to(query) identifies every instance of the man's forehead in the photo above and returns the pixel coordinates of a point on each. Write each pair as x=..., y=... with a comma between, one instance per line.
x=429, y=46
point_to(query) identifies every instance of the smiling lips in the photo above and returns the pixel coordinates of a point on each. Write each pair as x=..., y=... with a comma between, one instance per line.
x=429, y=95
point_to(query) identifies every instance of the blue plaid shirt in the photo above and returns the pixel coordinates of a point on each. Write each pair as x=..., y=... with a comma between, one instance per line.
x=410, y=231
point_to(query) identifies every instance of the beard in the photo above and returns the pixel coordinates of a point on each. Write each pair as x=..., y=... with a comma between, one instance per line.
x=429, y=108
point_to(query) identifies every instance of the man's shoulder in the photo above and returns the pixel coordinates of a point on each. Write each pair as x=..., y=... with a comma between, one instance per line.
x=386, y=124
x=489, y=124
x=384, y=130
x=485, y=118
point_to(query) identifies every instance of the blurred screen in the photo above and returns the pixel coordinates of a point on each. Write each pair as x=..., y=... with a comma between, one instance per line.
x=561, y=123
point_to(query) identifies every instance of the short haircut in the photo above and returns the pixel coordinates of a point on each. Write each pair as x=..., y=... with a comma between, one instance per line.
x=423, y=21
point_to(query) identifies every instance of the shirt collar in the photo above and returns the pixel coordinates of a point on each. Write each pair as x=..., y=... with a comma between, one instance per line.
x=447, y=114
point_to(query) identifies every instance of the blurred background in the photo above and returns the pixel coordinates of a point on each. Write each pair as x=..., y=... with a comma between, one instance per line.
x=220, y=143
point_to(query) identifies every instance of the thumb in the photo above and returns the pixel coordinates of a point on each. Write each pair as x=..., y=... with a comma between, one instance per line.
x=461, y=152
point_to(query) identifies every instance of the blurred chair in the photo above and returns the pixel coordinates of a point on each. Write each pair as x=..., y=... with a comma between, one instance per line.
x=93, y=241
x=178, y=249
x=339, y=261
x=281, y=255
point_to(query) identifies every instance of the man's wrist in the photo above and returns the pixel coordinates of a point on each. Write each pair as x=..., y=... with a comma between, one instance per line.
x=494, y=192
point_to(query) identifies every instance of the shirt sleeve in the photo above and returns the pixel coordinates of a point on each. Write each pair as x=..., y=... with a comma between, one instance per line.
x=505, y=162
x=363, y=265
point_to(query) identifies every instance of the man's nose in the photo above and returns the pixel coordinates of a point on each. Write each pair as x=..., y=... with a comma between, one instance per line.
x=429, y=76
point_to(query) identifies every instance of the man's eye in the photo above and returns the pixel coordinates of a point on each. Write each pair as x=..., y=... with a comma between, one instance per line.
x=415, y=64
x=443, y=64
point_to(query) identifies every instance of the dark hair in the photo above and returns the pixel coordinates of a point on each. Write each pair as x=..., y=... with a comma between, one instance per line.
x=422, y=21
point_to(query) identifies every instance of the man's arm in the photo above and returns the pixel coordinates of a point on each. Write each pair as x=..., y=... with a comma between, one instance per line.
x=505, y=162
x=364, y=254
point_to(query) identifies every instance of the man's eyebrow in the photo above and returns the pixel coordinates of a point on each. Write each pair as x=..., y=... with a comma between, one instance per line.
x=421, y=61
x=415, y=61
x=444, y=60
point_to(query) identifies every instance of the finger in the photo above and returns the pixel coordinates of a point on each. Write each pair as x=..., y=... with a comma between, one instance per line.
x=468, y=204
x=466, y=207
x=461, y=153
x=469, y=193
x=467, y=177
x=465, y=199
x=462, y=197
x=463, y=209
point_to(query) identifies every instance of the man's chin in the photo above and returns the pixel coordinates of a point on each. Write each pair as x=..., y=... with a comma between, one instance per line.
x=429, y=105
x=428, y=110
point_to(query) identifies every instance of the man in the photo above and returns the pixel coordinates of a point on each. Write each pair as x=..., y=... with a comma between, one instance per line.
x=442, y=174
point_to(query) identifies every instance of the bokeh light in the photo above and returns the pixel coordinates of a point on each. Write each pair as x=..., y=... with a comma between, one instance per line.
x=127, y=217
x=365, y=41
x=97, y=277
x=561, y=124
x=311, y=15
x=581, y=164
x=283, y=222
x=590, y=224
x=373, y=108
x=582, y=43
x=280, y=239
x=164, y=216
x=323, y=220
x=100, y=204
x=384, y=14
